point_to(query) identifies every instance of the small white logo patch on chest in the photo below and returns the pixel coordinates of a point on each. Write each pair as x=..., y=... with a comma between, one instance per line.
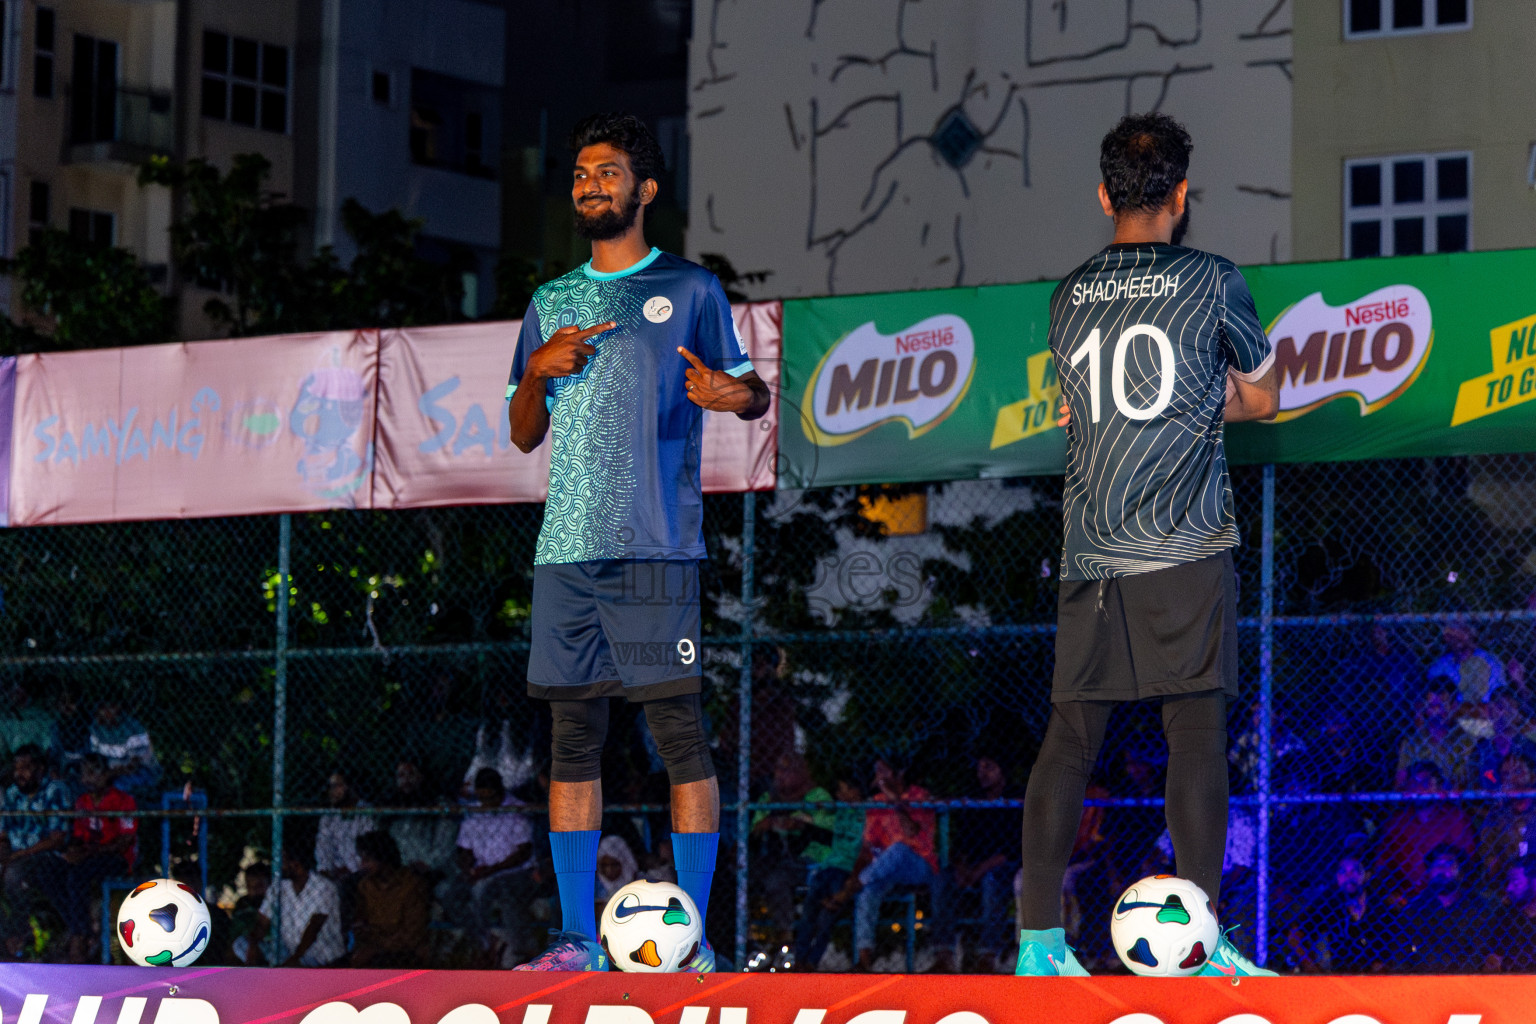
x=658, y=309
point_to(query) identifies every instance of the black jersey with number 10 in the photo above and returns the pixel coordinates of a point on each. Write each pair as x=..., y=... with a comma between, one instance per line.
x=1143, y=336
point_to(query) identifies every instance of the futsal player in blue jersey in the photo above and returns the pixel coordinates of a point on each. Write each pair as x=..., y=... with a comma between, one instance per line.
x=618, y=360
x=1156, y=345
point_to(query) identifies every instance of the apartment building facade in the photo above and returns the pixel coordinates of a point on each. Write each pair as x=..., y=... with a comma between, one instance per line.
x=1411, y=128
x=380, y=100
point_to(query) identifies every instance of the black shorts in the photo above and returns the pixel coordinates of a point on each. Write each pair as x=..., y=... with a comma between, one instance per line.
x=1149, y=635
x=615, y=628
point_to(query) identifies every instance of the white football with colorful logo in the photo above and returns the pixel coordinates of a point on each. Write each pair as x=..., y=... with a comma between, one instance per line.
x=163, y=923
x=650, y=928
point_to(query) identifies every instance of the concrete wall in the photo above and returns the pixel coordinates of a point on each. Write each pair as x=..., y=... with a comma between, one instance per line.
x=812, y=124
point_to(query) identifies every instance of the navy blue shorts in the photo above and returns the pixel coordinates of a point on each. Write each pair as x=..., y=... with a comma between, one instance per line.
x=615, y=628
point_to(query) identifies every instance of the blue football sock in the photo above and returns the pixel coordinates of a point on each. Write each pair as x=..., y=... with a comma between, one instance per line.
x=576, y=877
x=694, y=854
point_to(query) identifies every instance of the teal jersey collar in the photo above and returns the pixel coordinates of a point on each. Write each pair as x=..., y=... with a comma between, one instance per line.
x=598, y=275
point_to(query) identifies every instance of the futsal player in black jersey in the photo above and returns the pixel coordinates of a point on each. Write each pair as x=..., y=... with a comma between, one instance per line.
x=1156, y=345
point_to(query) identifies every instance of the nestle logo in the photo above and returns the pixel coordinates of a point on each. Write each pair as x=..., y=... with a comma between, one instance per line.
x=922, y=341
x=1376, y=312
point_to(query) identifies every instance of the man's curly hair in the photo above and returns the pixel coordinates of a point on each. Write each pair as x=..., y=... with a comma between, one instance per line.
x=621, y=131
x=1142, y=159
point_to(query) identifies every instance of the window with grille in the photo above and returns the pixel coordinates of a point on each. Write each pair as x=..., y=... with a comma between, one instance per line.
x=1406, y=205
x=245, y=82
x=1370, y=19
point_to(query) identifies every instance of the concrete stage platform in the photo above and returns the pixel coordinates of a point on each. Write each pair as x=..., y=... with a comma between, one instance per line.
x=54, y=994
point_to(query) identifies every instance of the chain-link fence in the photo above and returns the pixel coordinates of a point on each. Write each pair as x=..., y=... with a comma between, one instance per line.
x=282, y=668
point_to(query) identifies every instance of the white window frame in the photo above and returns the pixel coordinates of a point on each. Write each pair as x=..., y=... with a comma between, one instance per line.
x=1389, y=209
x=1386, y=16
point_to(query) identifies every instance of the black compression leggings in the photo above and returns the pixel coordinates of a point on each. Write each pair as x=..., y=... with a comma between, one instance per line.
x=1195, y=726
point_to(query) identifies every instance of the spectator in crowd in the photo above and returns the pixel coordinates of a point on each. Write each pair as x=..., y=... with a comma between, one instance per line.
x=985, y=845
x=23, y=723
x=1437, y=738
x=310, y=905
x=336, y=838
x=1347, y=930
x=242, y=919
x=1475, y=673
x=1287, y=751
x=30, y=851
x=898, y=850
x=101, y=844
x=1084, y=896
x=124, y=742
x=1446, y=925
x=774, y=722
x=1513, y=930
x=74, y=725
x=394, y=908
x=836, y=839
x=1502, y=726
x=778, y=842
x=1414, y=831
x=1383, y=677
x=425, y=841
x=494, y=885
x=616, y=868
x=1509, y=831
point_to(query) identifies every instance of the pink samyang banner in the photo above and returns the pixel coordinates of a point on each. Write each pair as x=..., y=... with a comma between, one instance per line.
x=443, y=432
x=212, y=428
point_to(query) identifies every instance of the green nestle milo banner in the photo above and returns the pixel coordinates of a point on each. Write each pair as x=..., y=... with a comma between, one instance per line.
x=1386, y=358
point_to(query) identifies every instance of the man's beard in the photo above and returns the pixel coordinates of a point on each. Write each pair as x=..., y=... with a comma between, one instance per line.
x=610, y=222
x=1182, y=226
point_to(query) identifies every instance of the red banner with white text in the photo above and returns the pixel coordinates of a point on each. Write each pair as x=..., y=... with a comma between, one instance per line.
x=43, y=994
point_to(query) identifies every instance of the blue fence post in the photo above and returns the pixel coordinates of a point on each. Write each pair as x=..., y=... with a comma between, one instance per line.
x=744, y=725
x=1266, y=706
x=280, y=705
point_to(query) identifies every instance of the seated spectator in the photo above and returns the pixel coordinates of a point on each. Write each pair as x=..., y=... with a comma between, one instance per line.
x=74, y=726
x=336, y=839
x=426, y=841
x=23, y=723
x=310, y=904
x=1347, y=930
x=1413, y=832
x=30, y=849
x=394, y=908
x=100, y=846
x=898, y=850
x=836, y=837
x=493, y=885
x=616, y=868
x=1384, y=678
x=1437, y=738
x=778, y=841
x=1473, y=672
x=1502, y=726
x=242, y=919
x=124, y=742
x=1446, y=925
x=985, y=845
x=1509, y=831
x=1513, y=931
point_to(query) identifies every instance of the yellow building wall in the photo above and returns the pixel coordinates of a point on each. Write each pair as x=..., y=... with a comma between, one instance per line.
x=1467, y=90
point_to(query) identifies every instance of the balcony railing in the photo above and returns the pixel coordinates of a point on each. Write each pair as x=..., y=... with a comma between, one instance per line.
x=126, y=126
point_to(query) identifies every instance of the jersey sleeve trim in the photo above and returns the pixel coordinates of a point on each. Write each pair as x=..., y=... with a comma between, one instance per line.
x=1261, y=370
x=549, y=400
x=742, y=370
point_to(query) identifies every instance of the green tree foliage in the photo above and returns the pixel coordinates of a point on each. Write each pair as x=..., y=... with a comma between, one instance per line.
x=242, y=239
x=389, y=283
x=97, y=297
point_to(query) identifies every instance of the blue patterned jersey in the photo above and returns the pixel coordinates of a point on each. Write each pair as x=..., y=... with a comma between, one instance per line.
x=624, y=466
x=1143, y=336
